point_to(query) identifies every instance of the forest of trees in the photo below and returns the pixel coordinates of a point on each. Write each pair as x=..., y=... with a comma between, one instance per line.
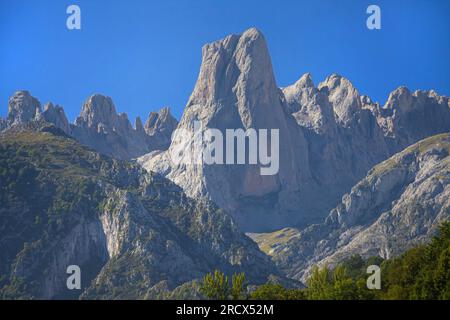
x=420, y=273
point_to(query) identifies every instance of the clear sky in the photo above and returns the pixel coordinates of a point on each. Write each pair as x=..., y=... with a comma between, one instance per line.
x=146, y=54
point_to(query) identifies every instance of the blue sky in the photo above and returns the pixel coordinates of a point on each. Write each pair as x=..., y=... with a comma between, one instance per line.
x=147, y=54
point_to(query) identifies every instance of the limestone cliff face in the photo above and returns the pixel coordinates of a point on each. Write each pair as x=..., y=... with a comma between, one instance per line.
x=398, y=205
x=236, y=89
x=330, y=135
x=55, y=114
x=343, y=138
x=99, y=126
x=408, y=117
x=310, y=107
x=161, y=125
x=22, y=107
x=160, y=121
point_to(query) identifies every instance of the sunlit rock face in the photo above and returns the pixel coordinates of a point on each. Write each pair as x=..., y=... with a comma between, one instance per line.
x=98, y=126
x=236, y=89
x=330, y=135
x=22, y=107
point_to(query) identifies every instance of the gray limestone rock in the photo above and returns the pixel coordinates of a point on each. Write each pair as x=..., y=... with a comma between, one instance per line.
x=236, y=89
x=22, y=107
x=398, y=205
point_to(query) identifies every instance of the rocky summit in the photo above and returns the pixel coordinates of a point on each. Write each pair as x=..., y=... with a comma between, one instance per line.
x=236, y=89
x=330, y=135
x=98, y=126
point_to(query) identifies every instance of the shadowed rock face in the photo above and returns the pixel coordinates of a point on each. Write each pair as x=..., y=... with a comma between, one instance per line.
x=330, y=136
x=99, y=126
x=56, y=115
x=128, y=230
x=161, y=124
x=408, y=117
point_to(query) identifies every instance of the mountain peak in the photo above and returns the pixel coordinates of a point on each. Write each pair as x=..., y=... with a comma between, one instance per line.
x=343, y=96
x=400, y=96
x=98, y=109
x=334, y=81
x=161, y=121
x=305, y=81
x=22, y=107
x=237, y=67
x=252, y=32
x=236, y=89
x=56, y=115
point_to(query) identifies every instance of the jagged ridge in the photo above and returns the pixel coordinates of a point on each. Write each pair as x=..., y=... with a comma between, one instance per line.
x=98, y=126
x=330, y=136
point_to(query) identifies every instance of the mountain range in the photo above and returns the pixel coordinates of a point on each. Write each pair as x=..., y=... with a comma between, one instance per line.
x=331, y=136
x=355, y=177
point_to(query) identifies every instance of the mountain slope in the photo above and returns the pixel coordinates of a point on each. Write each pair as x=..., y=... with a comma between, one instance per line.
x=399, y=204
x=64, y=204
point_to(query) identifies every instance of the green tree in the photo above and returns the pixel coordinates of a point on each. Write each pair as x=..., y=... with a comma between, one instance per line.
x=215, y=286
x=271, y=291
x=238, y=287
x=319, y=284
x=343, y=287
x=422, y=272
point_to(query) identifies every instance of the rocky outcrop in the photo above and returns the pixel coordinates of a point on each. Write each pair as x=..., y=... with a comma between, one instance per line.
x=399, y=204
x=161, y=124
x=99, y=126
x=160, y=121
x=408, y=117
x=330, y=135
x=309, y=106
x=55, y=115
x=236, y=89
x=344, y=140
x=22, y=107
